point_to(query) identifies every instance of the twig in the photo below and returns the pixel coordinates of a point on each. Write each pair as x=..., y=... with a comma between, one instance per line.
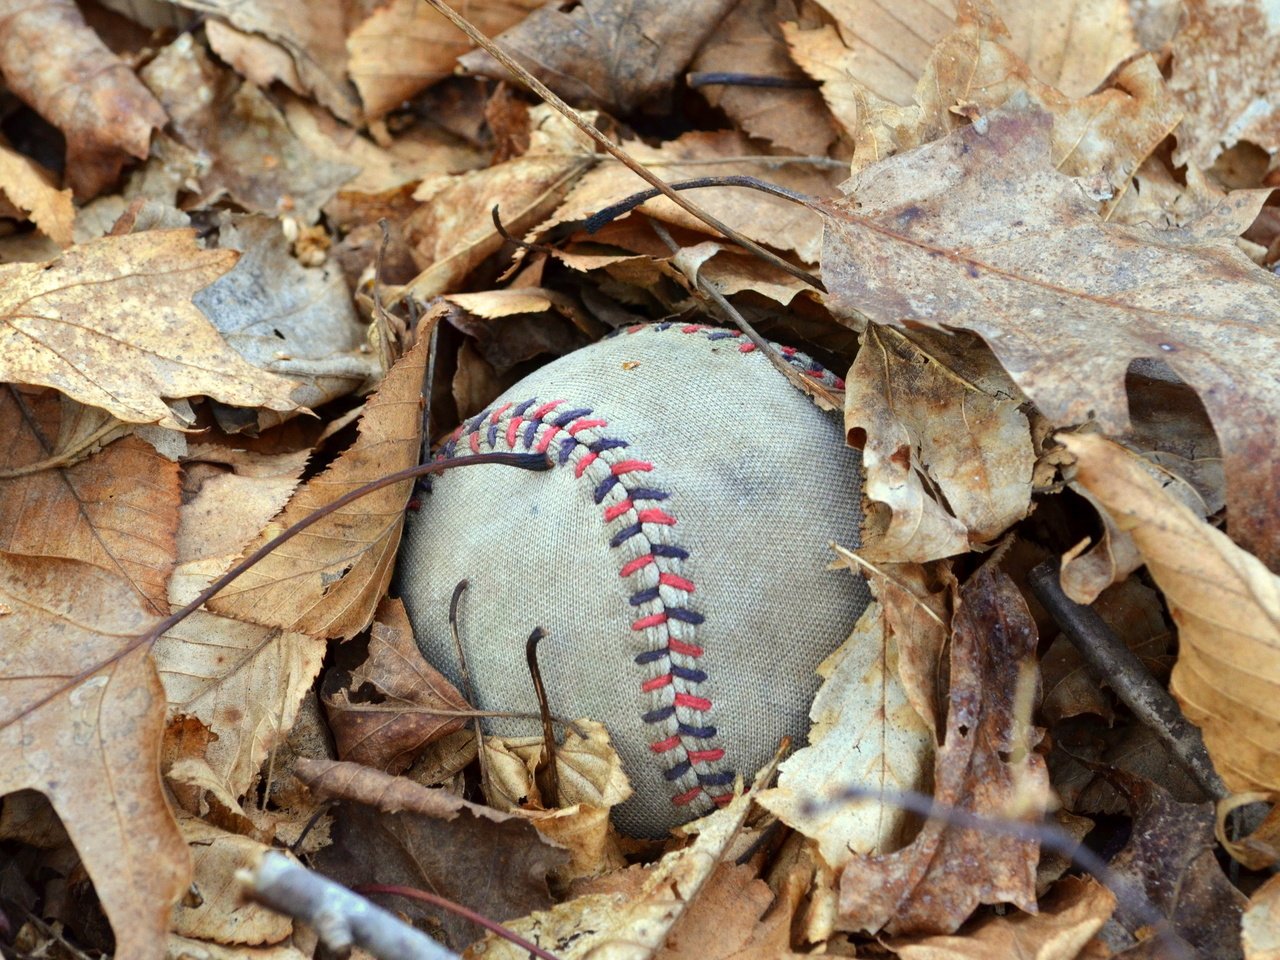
x=454, y=601
x=541, y=89
x=341, y=918
x=545, y=774
x=706, y=78
x=615, y=210
x=1048, y=836
x=802, y=383
x=1113, y=663
x=459, y=910
x=511, y=238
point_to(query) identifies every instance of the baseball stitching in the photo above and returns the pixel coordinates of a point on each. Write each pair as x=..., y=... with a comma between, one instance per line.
x=637, y=524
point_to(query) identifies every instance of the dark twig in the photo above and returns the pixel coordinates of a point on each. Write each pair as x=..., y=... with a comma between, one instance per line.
x=574, y=117
x=1050, y=837
x=545, y=774
x=615, y=210
x=510, y=238
x=523, y=461
x=454, y=601
x=1113, y=663
x=706, y=78
x=458, y=910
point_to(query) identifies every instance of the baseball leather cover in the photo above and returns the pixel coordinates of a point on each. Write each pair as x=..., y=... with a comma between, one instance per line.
x=676, y=556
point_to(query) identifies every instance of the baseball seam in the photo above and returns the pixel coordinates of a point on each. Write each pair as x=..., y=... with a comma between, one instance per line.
x=683, y=739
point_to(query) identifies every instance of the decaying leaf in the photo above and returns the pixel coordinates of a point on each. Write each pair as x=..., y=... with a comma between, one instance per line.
x=1225, y=603
x=98, y=732
x=382, y=715
x=30, y=189
x=946, y=449
x=615, y=54
x=1260, y=925
x=935, y=882
x=327, y=581
x=79, y=86
x=978, y=231
x=111, y=323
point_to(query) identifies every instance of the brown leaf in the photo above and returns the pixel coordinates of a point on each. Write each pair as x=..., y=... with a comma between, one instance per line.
x=251, y=154
x=933, y=413
x=615, y=54
x=91, y=745
x=111, y=323
x=1259, y=930
x=1066, y=922
x=749, y=40
x=117, y=510
x=327, y=581
x=30, y=189
x=80, y=87
x=934, y=883
x=1065, y=300
x=314, y=38
x=405, y=46
x=1226, y=605
x=1222, y=59
x=382, y=716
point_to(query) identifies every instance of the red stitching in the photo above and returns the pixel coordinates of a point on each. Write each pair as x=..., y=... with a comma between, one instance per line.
x=513, y=427
x=654, y=515
x=705, y=756
x=543, y=410
x=578, y=425
x=652, y=620
x=684, y=649
x=689, y=796
x=631, y=566
x=680, y=583
x=497, y=414
x=475, y=443
x=662, y=746
x=692, y=702
x=547, y=438
x=656, y=683
x=617, y=510
x=585, y=462
x=746, y=347
x=623, y=467
x=722, y=799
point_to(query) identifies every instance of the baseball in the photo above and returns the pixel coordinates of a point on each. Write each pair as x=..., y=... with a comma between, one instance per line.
x=676, y=555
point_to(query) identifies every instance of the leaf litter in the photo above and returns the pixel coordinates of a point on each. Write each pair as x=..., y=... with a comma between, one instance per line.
x=1046, y=242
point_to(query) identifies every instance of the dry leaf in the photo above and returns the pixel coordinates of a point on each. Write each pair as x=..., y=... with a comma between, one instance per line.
x=1260, y=925
x=249, y=153
x=111, y=323
x=29, y=188
x=865, y=732
x=934, y=883
x=80, y=87
x=1225, y=603
x=117, y=510
x=91, y=745
x=222, y=915
x=615, y=54
x=1065, y=300
x=327, y=581
x=1223, y=59
x=381, y=716
x=933, y=413
x=749, y=40
x=405, y=46
x=1065, y=924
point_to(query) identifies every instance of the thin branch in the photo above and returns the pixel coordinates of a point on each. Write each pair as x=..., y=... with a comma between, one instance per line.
x=459, y=910
x=615, y=210
x=706, y=78
x=541, y=89
x=545, y=774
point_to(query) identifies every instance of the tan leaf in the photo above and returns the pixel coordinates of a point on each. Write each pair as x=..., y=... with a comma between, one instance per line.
x=1260, y=925
x=934, y=413
x=749, y=40
x=221, y=915
x=117, y=510
x=327, y=581
x=185, y=948
x=31, y=190
x=111, y=323
x=1221, y=59
x=865, y=731
x=382, y=716
x=1064, y=299
x=1067, y=921
x=248, y=151
x=91, y=744
x=935, y=882
x=313, y=37
x=1227, y=608
x=405, y=46
x=611, y=53
x=79, y=86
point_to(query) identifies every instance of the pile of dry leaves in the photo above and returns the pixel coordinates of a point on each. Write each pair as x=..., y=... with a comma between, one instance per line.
x=241, y=241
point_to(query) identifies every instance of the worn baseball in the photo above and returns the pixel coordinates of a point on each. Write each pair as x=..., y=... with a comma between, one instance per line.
x=676, y=555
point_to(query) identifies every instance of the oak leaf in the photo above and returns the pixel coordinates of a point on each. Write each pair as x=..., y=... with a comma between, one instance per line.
x=327, y=581
x=30, y=189
x=111, y=323
x=1226, y=605
x=979, y=232
x=89, y=739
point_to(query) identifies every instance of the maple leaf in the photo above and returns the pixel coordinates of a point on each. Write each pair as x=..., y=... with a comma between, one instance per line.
x=979, y=232
x=111, y=323
x=90, y=741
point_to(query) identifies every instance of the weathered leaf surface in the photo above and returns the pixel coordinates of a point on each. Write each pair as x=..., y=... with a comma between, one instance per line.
x=1226, y=605
x=91, y=745
x=979, y=231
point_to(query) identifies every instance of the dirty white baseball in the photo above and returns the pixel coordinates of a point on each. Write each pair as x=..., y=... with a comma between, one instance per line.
x=676, y=555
